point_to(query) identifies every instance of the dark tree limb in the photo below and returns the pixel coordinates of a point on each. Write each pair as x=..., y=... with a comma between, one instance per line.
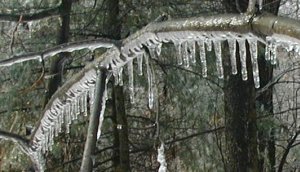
x=287, y=150
x=50, y=52
x=51, y=12
x=90, y=145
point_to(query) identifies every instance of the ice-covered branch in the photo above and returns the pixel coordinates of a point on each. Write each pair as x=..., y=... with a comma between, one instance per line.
x=192, y=38
x=68, y=102
x=95, y=119
x=22, y=142
x=267, y=24
x=25, y=147
x=68, y=47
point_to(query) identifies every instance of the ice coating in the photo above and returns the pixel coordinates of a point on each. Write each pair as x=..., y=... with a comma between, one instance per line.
x=103, y=106
x=130, y=81
x=161, y=159
x=232, y=50
x=63, y=111
x=255, y=69
x=202, y=57
x=242, y=51
x=150, y=82
x=218, y=53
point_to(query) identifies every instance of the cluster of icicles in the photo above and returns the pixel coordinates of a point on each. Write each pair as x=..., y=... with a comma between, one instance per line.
x=79, y=98
x=65, y=111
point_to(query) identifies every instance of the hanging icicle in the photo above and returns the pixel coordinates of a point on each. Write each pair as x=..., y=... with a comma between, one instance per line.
x=161, y=159
x=178, y=52
x=253, y=53
x=232, y=50
x=140, y=63
x=218, y=53
x=208, y=44
x=242, y=50
x=103, y=106
x=130, y=81
x=185, y=54
x=120, y=76
x=202, y=57
x=192, y=51
x=273, y=52
x=150, y=82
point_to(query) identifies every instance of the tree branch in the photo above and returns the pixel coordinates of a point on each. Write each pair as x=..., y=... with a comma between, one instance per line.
x=22, y=142
x=68, y=47
x=287, y=150
x=90, y=145
x=25, y=147
x=54, y=11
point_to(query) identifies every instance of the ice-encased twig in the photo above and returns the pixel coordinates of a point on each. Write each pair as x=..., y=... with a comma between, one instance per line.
x=161, y=159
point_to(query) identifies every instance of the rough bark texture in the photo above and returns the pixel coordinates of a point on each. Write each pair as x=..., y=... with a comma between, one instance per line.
x=240, y=120
x=121, y=161
x=90, y=144
x=265, y=100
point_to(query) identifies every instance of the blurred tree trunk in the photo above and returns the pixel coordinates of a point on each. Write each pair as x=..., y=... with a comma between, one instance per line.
x=121, y=160
x=240, y=119
x=266, y=138
x=57, y=63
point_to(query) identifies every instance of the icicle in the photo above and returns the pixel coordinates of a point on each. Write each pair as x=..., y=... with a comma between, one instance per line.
x=178, y=52
x=208, y=44
x=158, y=49
x=85, y=97
x=60, y=121
x=161, y=158
x=67, y=118
x=232, y=50
x=120, y=76
x=273, y=53
x=152, y=52
x=192, y=51
x=73, y=110
x=185, y=54
x=260, y=4
x=242, y=49
x=140, y=63
x=51, y=138
x=253, y=52
x=91, y=96
x=131, y=84
x=115, y=72
x=202, y=57
x=104, y=98
x=150, y=82
x=77, y=102
x=268, y=48
x=218, y=53
x=56, y=127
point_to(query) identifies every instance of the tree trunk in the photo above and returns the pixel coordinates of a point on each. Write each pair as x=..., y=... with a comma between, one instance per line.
x=240, y=119
x=90, y=144
x=266, y=100
x=121, y=161
x=57, y=63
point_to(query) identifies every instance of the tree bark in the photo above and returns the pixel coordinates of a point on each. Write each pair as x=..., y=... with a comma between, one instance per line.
x=58, y=62
x=240, y=119
x=121, y=161
x=266, y=100
x=90, y=144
